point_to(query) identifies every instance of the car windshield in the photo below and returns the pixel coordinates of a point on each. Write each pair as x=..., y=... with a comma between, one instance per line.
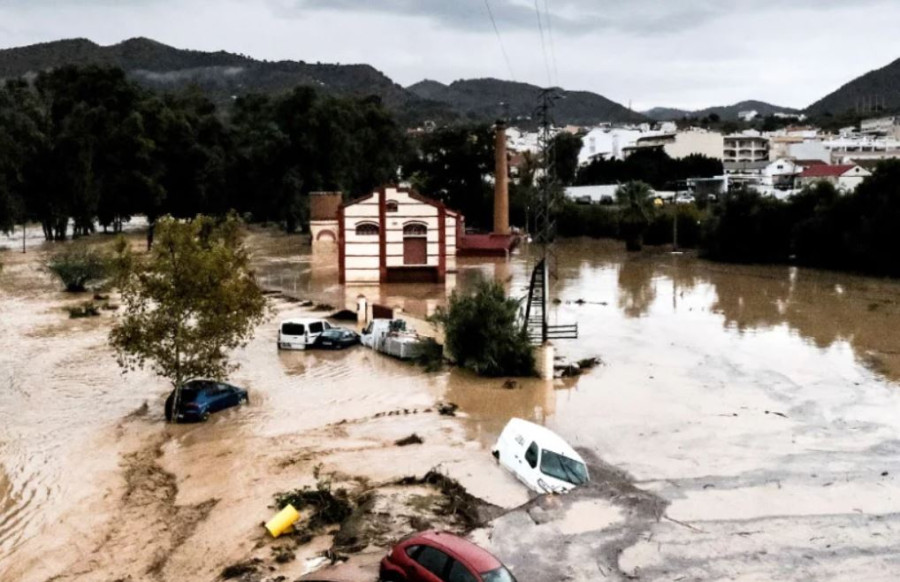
x=563, y=468
x=331, y=333
x=293, y=329
x=501, y=574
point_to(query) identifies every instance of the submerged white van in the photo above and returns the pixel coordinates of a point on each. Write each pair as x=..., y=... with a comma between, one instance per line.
x=539, y=458
x=297, y=334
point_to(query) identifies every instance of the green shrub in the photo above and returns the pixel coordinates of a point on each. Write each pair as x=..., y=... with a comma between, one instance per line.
x=431, y=356
x=484, y=334
x=79, y=266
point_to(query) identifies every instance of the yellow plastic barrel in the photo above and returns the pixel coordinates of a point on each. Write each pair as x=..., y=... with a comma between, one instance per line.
x=282, y=520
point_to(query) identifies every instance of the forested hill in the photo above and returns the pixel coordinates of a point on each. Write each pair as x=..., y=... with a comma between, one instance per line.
x=877, y=89
x=492, y=98
x=725, y=112
x=221, y=75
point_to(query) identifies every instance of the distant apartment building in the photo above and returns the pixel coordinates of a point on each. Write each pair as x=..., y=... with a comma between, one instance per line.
x=746, y=147
x=881, y=126
x=845, y=150
x=682, y=144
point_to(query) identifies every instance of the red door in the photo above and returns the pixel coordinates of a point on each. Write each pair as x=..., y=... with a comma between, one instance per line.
x=415, y=250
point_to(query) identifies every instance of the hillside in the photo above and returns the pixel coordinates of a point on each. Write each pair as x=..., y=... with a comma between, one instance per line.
x=221, y=75
x=881, y=86
x=487, y=99
x=725, y=112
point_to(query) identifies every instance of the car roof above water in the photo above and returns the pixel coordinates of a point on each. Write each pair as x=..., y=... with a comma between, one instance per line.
x=302, y=320
x=544, y=437
x=476, y=557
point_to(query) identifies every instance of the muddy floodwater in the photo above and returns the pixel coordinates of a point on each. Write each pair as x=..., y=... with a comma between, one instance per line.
x=744, y=425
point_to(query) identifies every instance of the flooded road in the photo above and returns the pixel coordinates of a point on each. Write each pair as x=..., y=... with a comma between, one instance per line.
x=762, y=403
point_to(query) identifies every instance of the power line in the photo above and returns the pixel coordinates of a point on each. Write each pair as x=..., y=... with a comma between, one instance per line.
x=537, y=11
x=490, y=12
x=549, y=21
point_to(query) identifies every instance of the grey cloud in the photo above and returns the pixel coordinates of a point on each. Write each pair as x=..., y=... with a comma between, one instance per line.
x=639, y=17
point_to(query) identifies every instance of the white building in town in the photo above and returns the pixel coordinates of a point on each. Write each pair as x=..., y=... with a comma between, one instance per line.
x=683, y=143
x=608, y=143
x=845, y=177
x=881, y=126
x=748, y=146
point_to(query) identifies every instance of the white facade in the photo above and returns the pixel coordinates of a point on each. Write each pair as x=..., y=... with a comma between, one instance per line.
x=608, y=143
x=396, y=235
x=883, y=126
x=749, y=146
x=809, y=150
x=684, y=143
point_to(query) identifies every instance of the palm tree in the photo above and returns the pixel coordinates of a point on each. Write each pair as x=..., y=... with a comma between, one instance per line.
x=634, y=200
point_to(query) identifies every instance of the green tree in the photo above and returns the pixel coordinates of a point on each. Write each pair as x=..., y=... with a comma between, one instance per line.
x=78, y=266
x=452, y=164
x=484, y=334
x=564, y=151
x=192, y=302
x=636, y=212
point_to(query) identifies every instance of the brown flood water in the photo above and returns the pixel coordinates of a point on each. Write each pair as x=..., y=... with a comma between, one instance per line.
x=738, y=393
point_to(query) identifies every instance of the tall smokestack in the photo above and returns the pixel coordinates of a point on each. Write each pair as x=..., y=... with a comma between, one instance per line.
x=501, y=182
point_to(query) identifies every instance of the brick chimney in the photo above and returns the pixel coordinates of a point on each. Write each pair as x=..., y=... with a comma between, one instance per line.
x=501, y=181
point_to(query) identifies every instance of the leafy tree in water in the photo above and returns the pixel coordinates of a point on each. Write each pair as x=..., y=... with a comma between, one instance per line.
x=564, y=151
x=189, y=304
x=636, y=211
x=484, y=334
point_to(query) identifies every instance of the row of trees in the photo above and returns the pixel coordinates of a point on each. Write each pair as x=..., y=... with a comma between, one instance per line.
x=819, y=227
x=86, y=144
x=651, y=166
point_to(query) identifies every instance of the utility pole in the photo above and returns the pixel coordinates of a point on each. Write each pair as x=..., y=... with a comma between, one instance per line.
x=536, y=322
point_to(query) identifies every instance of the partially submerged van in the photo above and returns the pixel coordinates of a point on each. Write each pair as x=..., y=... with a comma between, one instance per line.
x=539, y=458
x=297, y=334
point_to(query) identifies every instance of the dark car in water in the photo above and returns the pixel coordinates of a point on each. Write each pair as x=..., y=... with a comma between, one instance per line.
x=200, y=398
x=336, y=338
x=434, y=556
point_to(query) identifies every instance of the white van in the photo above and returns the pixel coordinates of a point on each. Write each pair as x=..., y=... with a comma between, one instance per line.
x=539, y=458
x=296, y=334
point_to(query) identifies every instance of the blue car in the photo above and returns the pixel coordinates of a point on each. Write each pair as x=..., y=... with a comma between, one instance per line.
x=200, y=398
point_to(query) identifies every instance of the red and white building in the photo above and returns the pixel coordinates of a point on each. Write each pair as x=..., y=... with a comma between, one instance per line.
x=396, y=235
x=845, y=178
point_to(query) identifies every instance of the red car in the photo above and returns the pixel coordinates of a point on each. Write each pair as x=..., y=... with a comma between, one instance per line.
x=434, y=556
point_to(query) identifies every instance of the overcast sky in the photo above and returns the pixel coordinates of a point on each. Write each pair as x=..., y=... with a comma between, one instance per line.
x=678, y=53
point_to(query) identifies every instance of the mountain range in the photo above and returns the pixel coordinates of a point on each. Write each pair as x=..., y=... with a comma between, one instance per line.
x=725, y=112
x=223, y=75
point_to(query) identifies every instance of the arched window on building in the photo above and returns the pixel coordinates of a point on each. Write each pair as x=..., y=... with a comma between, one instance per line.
x=391, y=206
x=415, y=244
x=367, y=229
